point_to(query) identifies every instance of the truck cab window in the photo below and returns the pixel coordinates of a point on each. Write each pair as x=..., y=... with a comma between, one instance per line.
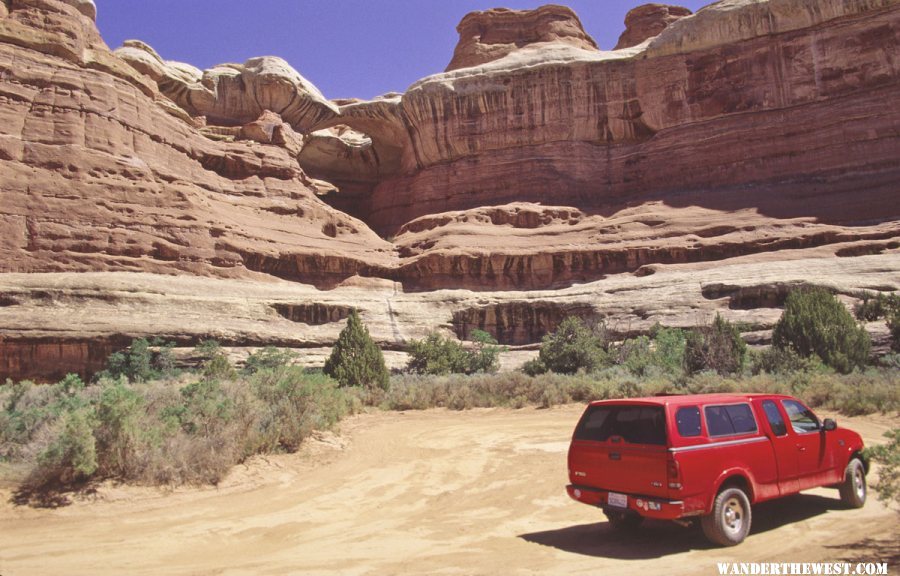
x=729, y=420
x=802, y=419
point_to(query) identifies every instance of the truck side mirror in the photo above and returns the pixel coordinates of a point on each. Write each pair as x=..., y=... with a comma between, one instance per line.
x=828, y=425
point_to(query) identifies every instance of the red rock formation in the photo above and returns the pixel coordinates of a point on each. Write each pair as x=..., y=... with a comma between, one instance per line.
x=788, y=114
x=98, y=171
x=492, y=34
x=648, y=21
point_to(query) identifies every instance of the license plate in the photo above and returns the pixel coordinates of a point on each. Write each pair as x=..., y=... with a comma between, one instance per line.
x=617, y=500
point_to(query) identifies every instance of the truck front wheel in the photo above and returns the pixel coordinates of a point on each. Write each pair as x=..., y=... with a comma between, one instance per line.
x=729, y=522
x=853, y=488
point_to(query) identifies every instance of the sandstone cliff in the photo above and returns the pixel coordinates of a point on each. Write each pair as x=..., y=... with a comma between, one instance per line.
x=100, y=171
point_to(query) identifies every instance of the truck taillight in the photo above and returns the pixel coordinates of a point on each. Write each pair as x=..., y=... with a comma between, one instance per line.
x=673, y=472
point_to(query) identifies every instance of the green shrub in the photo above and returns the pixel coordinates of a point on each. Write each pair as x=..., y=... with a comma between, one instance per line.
x=485, y=354
x=669, y=348
x=888, y=456
x=355, y=359
x=572, y=347
x=893, y=323
x=119, y=426
x=71, y=455
x=815, y=322
x=774, y=360
x=269, y=358
x=438, y=355
x=214, y=362
x=534, y=367
x=717, y=347
x=140, y=362
x=871, y=308
x=636, y=355
x=205, y=409
x=296, y=403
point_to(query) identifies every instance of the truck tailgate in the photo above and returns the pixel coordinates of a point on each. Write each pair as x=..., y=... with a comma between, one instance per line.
x=621, y=449
x=619, y=467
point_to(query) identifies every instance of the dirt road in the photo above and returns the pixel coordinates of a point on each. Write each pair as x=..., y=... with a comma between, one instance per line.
x=436, y=492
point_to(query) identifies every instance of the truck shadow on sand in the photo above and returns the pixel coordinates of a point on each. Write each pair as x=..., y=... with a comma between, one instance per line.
x=655, y=539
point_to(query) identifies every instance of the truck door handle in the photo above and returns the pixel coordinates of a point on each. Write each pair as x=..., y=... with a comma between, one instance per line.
x=801, y=448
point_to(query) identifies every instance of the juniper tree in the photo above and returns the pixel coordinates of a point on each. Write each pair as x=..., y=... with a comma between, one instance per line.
x=355, y=359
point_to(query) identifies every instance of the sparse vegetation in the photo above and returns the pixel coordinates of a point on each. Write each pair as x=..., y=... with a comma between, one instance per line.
x=191, y=430
x=142, y=421
x=888, y=456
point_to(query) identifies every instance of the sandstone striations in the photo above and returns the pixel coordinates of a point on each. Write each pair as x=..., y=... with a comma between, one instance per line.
x=492, y=34
x=747, y=147
x=770, y=122
x=99, y=174
x=648, y=21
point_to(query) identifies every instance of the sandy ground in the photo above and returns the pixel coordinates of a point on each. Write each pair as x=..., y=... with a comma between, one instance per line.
x=435, y=492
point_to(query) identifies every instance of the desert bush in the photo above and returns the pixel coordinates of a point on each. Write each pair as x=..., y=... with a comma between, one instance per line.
x=141, y=361
x=436, y=354
x=636, y=354
x=669, y=348
x=774, y=360
x=815, y=322
x=71, y=455
x=119, y=427
x=572, y=347
x=484, y=356
x=355, y=359
x=871, y=308
x=161, y=431
x=214, y=362
x=717, y=347
x=888, y=456
x=893, y=323
x=294, y=403
x=269, y=358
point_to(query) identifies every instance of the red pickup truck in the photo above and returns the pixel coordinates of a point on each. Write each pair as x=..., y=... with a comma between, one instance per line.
x=709, y=456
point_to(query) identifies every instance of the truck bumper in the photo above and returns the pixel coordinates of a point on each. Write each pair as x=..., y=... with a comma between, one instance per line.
x=647, y=506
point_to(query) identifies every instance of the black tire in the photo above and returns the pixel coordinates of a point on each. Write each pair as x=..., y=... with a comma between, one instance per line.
x=853, y=488
x=623, y=521
x=729, y=522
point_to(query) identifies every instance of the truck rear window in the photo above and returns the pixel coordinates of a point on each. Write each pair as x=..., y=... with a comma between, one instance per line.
x=634, y=424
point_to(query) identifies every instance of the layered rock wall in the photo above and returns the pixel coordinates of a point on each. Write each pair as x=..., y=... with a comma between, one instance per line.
x=99, y=171
x=801, y=111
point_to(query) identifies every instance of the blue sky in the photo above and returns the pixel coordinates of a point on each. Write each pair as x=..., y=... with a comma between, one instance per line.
x=348, y=48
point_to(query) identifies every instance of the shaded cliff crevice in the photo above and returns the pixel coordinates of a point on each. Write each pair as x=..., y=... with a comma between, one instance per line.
x=518, y=323
x=314, y=313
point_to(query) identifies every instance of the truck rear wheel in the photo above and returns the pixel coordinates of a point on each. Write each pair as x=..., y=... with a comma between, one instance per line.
x=623, y=520
x=729, y=522
x=853, y=488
